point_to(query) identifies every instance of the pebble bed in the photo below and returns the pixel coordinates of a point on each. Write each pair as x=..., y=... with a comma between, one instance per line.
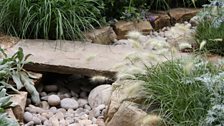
x=64, y=106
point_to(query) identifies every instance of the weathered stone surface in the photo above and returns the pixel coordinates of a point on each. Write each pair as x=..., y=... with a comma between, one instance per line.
x=19, y=102
x=100, y=95
x=160, y=19
x=183, y=14
x=10, y=113
x=123, y=27
x=128, y=114
x=105, y=35
x=69, y=57
x=128, y=90
x=7, y=41
x=144, y=27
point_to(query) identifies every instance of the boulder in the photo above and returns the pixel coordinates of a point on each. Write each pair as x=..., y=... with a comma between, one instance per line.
x=19, y=103
x=126, y=90
x=123, y=27
x=160, y=19
x=128, y=114
x=100, y=95
x=182, y=14
x=105, y=35
x=144, y=27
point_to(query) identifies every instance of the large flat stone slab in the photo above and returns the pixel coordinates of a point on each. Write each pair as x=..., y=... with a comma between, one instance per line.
x=68, y=57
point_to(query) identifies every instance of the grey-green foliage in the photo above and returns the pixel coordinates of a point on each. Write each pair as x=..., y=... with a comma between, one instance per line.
x=213, y=12
x=6, y=121
x=4, y=103
x=49, y=19
x=214, y=83
x=11, y=67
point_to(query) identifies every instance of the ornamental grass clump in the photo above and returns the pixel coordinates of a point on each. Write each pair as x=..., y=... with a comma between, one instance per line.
x=49, y=19
x=187, y=92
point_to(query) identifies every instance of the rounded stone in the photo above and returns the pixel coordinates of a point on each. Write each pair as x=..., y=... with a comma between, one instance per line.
x=53, y=100
x=28, y=116
x=31, y=123
x=83, y=94
x=100, y=95
x=69, y=103
x=44, y=105
x=36, y=120
x=82, y=102
x=51, y=88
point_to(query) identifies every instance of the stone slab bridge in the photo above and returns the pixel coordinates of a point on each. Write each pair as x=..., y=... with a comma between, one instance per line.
x=69, y=57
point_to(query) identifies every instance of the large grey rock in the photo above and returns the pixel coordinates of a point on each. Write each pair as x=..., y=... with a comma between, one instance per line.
x=100, y=95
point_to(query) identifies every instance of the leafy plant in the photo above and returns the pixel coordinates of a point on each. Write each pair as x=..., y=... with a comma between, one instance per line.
x=49, y=19
x=183, y=98
x=211, y=27
x=4, y=103
x=12, y=68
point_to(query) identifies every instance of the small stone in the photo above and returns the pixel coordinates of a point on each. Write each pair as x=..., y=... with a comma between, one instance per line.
x=63, y=123
x=82, y=102
x=45, y=105
x=54, y=121
x=59, y=115
x=87, y=107
x=70, y=120
x=62, y=110
x=94, y=120
x=85, y=122
x=86, y=89
x=67, y=95
x=79, y=110
x=36, y=120
x=28, y=101
x=31, y=123
x=28, y=116
x=69, y=103
x=51, y=88
x=53, y=109
x=83, y=94
x=75, y=124
x=74, y=94
x=47, y=123
x=45, y=98
x=100, y=122
x=53, y=100
x=42, y=118
x=42, y=94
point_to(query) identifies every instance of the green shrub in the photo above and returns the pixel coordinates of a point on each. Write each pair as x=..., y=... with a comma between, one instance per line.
x=214, y=37
x=186, y=91
x=211, y=27
x=49, y=19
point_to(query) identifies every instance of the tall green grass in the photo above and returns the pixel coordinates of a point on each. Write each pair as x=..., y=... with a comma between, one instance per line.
x=49, y=19
x=177, y=86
